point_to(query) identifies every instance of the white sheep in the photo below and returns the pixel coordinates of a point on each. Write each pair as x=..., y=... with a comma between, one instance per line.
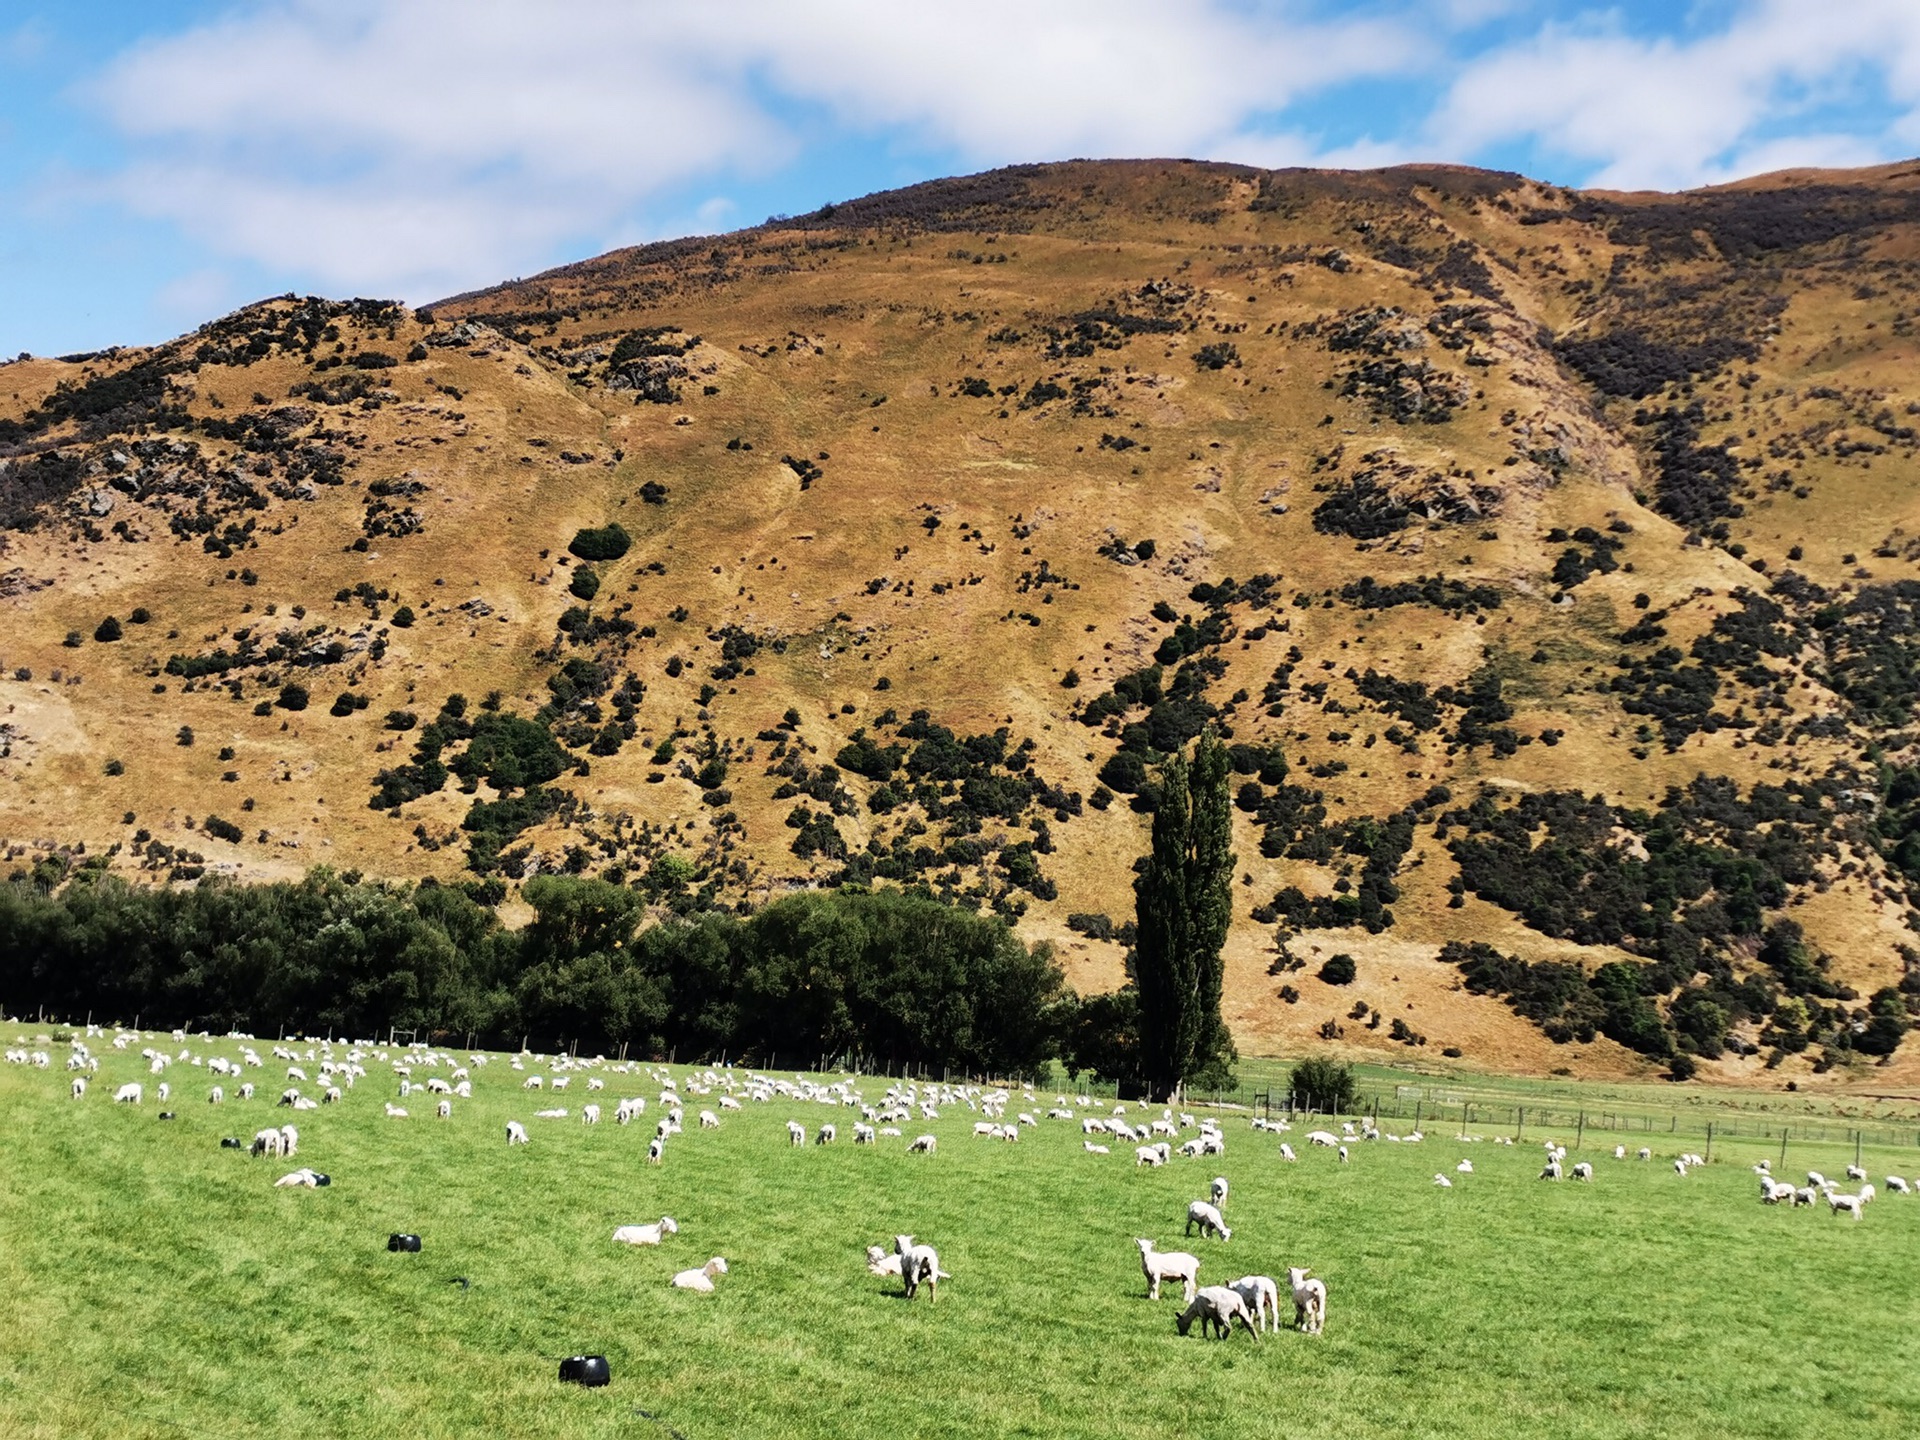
x=1217, y=1307
x=919, y=1264
x=1772, y=1191
x=826, y=1136
x=1309, y=1301
x=1465, y=1167
x=1286, y=1151
x=164, y=1091
x=79, y=1086
x=1093, y=1149
x=1854, y=1172
x=1680, y=1166
x=709, y=1120
x=216, y=1096
x=646, y=1234
x=1583, y=1171
x=1262, y=1297
x=862, y=1134
x=246, y=1091
x=394, y=1112
x=446, y=1109
x=656, y=1148
x=1645, y=1153
x=289, y=1141
x=1146, y=1155
x=1217, y=1191
x=298, y=1179
x=1814, y=1177
x=796, y=1133
x=700, y=1280
x=879, y=1262
x=516, y=1133
x=1168, y=1265
x=1897, y=1186
x=1619, y=1152
x=1442, y=1181
x=1552, y=1170
x=1806, y=1195
x=1200, y=1213
x=267, y=1142
x=923, y=1145
x=1853, y=1204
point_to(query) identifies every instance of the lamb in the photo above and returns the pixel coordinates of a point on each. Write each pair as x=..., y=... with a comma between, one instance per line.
x=1261, y=1295
x=1309, y=1301
x=1286, y=1151
x=1217, y=1191
x=1168, y=1265
x=1442, y=1181
x=1093, y=1149
x=216, y=1095
x=796, y=1133
x=656, y=1148
x=516, y=1133
x=646, y=1234
x=1583, y=1171
x=919, y=1264
x=700, y=1280
x=394, y=1112
x=1552, y=1172
x=923, y=1145
x=1146, y=1155
x=709, y=1120
x=79, y=1086
x=826, y=1136
x=881, y=1263
x=1217, y=1306
x=298, y=1179
x=446, y=1109
x=1200, y=1213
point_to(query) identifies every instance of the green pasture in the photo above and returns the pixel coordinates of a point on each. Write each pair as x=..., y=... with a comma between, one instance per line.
x=157, y=1285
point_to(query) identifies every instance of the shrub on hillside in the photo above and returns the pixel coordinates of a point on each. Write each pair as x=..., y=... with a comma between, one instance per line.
x=1339, y=970
x=609, y=542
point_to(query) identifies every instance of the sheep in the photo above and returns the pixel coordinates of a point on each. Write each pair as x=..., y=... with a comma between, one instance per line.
x=1897, y=1186
x=1465, y=1167
x=1645, y=1153
x=1854, y=1172
x=1262, y=1297
x=796, y=1133
x=1286, y=1151
x=826, y=1136
x=700, y=1280
x=1217, y=1191
x=1772, y=1191
x=289, y=1141
x=1217, y=1307
x=164, y=1091
x=1814, y=1177
x=532, y=1082
x=216, y=1096
x=1806, y=1195
x=1680, y=1166
x=1200, y=1213
x=709, y=1120
x=394, y=1112
x=1583, y=1171
x=1146, y=1155
x=589, y=1114
x=267, y=1142
x=727, y=1102
x=303, y=1179
x=1168, y=1265
x=1323, y=1138
x=646, y=1234
x=863, y=1134
x=1850, y=1203
x=1442, y=1181
x=1552, y=1171
x=79, y=1086
x=560, y=1114
x=879, y=1262
x=1866, y=1194
x=246, y=1091
x=1093, y=1149
x=446, y=1109
x=1343, y=1154
x=656, y=1148
x=919, y=1264
x=1309, y=1301
x=330, y=1096
x=1619, y=1152
x=923, y=1145
x=516, y=1133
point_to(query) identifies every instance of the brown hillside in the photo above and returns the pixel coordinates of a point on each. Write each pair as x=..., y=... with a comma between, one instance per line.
x=1583, y=503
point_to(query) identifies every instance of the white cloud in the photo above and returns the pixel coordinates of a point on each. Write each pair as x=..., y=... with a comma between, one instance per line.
x=1667, y=113
x=420, y=146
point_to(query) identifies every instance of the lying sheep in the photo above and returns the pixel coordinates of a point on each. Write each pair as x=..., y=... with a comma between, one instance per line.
x=1093, y=1149
x=299, y=1179
x=919, y=1264
x=646, y=1234
x=1217, y=1306
x=879, y=1262
x=700, y=1280
x=1309, y=1301
x=1442, y=1181
x=1260, y=1295
x=1200, y=1213
x=1168, y=1265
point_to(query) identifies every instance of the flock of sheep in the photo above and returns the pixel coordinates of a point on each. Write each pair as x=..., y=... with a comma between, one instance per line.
x=1251, y=1300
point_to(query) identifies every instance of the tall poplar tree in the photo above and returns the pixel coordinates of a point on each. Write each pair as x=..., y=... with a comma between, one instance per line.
x=1183, y=906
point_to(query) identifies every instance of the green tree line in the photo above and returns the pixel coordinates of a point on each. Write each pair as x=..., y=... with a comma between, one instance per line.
x=889, y=975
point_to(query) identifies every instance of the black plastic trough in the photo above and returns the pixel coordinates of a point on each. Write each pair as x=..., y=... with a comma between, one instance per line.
x=407, y=1243
x=586, y=1370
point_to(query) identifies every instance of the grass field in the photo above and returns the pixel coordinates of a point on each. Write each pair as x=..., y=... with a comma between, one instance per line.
x=157, y=1285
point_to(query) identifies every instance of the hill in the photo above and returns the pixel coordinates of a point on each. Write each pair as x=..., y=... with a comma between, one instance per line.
x=1548, y=558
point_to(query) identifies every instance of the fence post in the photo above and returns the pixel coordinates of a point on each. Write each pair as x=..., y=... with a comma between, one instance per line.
x=1520, y=1123
x=1580, y=1133
x=1783, y=1147
x=1709, y=1142
x=1856, y=1149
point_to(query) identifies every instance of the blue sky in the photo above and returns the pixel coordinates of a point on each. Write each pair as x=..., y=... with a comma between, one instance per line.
x=165, y=161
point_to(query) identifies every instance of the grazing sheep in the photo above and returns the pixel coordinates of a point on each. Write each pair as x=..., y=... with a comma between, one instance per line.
x=1814, y=1177
x=446, y=1109
x=1146, y=1155
x=1322, y=1137
x=709, y=1120
x=1286, y=1151
x=700, y=1280
x=1217, y=1191
x=919, y=1264
x=532, y=1082
x=1343, y=1154
x=656, y=1148
x=1583, y=1171
x=246, y=1091
x=1854, y=1172
x=1261, y=1295
x=796, y=1133
x=80, y=1087
x=646, y=1234
x=1168, y=1265
x=1645, y=1153
x=923, y=1145
x=1552, y=1171
x=267, y=1142
x=1897, y=1186
x=826, y=1136
x=215, y=1096
x=1217, y=1306
x=1680, y=1166
x=1619, y=1152
x=1806, y=1195
x=164, y=1091
x=289, y=1141
x=1772, y=1191
x=516, y=1133
x=1200, y=1213
x=1309, y=1301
